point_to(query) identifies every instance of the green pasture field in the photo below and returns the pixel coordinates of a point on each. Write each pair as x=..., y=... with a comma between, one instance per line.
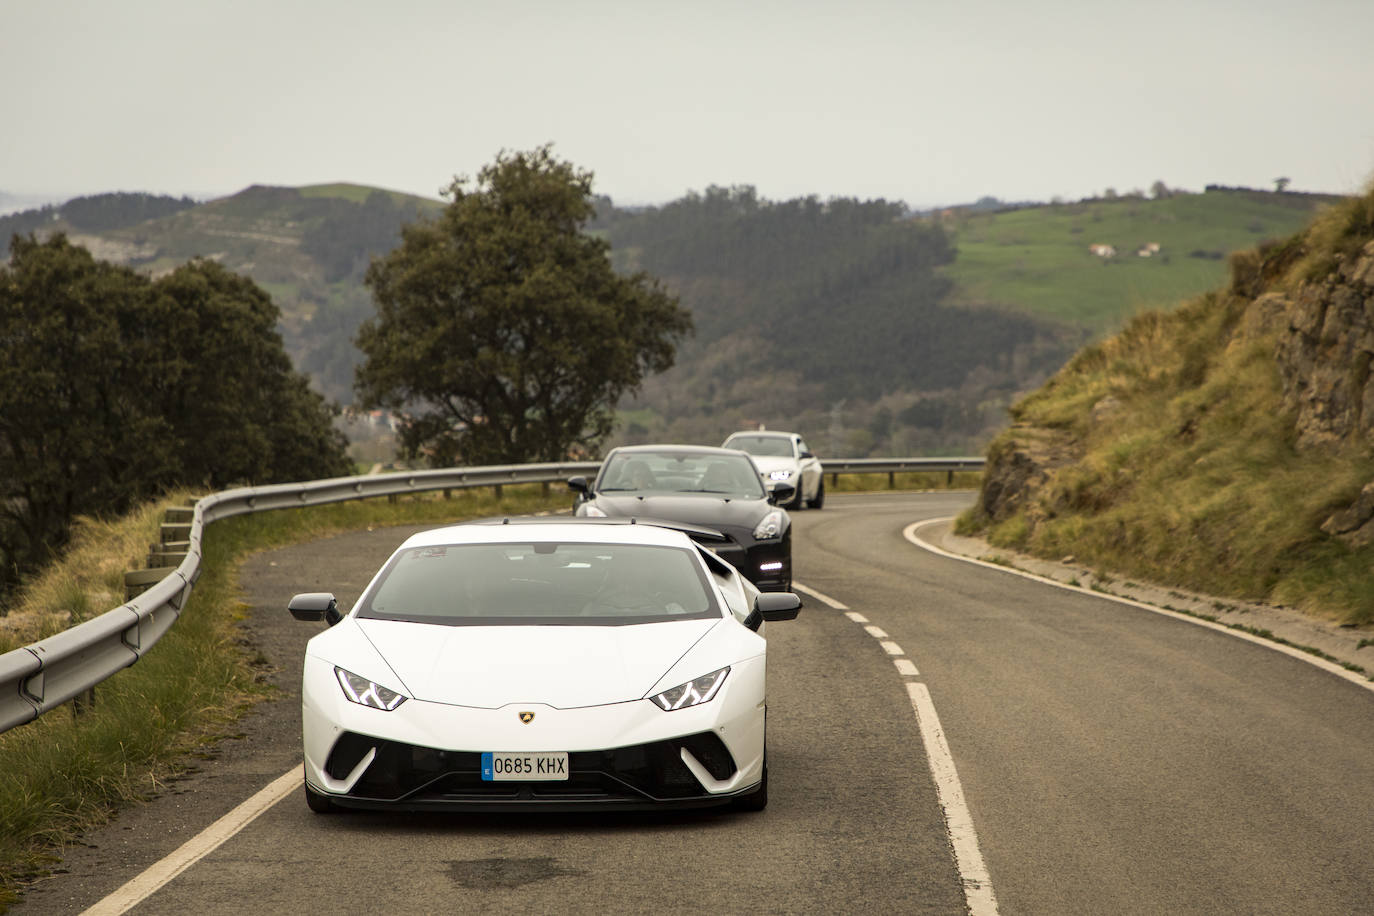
x=1038, y=259
x=357, y=193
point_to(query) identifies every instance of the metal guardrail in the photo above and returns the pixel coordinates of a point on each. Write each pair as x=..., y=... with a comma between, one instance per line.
x=890, y=466
x=41, y=676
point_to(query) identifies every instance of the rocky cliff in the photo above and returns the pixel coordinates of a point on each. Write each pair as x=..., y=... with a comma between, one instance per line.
x=1292, y=338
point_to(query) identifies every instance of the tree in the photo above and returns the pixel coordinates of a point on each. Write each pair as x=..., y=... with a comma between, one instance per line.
x=114, y=387
x=74, y=435
x=1281, y=184
x=239, y=409
x=502, y=331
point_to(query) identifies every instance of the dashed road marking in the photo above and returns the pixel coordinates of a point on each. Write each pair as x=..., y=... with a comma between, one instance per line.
x=968, y=858
x=824, y=599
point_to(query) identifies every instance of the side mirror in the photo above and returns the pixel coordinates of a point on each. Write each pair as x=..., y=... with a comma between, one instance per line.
x=315, y=606
x=580, y=485
x=781, y=492
x=806, y=454
x=773, y=606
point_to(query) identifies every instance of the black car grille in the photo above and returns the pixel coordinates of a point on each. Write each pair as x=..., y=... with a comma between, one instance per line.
x=643, y=773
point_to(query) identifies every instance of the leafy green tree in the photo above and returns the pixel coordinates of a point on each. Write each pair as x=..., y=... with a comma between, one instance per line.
x=240, y=410
x=114, y=388
x=502, y=330
x=75, y=437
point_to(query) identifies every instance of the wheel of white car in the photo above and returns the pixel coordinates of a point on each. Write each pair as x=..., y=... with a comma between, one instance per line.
x=819, y=501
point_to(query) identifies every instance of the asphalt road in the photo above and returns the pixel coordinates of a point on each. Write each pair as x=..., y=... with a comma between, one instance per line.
x=1113, y=761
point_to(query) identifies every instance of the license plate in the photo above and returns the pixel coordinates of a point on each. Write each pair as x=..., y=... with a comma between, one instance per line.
x=498, y=766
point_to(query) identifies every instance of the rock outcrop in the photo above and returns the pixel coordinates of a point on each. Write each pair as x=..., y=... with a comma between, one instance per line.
x=1325, y=353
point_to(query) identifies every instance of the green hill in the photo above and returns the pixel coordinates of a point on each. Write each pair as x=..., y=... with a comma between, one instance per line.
x=873, y=331
x=1226, y=446
x=1039, y=259
x=307, y=246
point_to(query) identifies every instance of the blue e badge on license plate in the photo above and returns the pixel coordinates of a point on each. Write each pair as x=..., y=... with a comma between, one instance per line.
x=499, y=766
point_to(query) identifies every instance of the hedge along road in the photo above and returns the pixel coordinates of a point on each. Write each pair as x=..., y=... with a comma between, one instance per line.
x=1112, y=760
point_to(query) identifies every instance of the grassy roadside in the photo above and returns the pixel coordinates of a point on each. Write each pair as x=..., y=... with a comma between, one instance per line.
x=64, y=773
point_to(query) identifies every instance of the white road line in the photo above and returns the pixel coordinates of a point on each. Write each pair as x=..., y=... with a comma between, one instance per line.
x=974, y=873
x=968, y=860
x=798, y=587
x=1353, y=677
x=193, y=850
x=906, y=667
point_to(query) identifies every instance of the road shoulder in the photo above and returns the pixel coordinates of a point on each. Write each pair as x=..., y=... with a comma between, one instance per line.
x=1287, y=625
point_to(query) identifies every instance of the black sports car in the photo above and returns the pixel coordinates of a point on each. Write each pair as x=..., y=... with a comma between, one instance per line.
x=715, y=488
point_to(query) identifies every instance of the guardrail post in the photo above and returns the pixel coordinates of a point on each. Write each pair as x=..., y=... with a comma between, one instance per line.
x=82, y=702
x=138, y=581
x=496, y=490
x=892, y=480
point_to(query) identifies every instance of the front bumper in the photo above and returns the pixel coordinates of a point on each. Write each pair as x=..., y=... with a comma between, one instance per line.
x=624, y=756
x=768, y=564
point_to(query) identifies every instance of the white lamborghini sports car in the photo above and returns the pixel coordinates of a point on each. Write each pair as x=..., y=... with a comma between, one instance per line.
x=539, y=664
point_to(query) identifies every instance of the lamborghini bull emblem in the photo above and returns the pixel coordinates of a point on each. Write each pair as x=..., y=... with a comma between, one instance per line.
x=526, y=717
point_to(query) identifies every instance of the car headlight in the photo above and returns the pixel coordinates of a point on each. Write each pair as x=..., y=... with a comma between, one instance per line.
x=694, y=692
x=367, y=693
x=770, y=527
x=590, y=511
x=780, y=475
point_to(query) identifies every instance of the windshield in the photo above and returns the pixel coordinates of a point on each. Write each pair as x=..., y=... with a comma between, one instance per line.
x=731, y=476
x=768, y=446
x=541, y=583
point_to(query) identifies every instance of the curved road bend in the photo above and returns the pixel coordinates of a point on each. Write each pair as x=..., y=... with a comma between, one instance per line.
x=1114, y=761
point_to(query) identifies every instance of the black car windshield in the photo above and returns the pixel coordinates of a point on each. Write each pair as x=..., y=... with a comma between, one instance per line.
x=719, y=474
x=541, y=583
x=766, y=446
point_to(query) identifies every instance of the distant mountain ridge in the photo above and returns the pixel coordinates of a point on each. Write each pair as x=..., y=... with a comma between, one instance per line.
x=871, y=330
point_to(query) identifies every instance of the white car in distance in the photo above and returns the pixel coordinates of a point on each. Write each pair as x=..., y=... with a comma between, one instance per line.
x=784, y=457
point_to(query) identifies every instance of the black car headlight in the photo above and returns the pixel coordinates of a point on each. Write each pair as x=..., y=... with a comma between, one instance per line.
x=770, y=526
x=693, y=693
x=360, y=690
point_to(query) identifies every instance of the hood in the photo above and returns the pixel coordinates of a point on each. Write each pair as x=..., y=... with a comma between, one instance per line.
x=564, y=667
x=695, y=509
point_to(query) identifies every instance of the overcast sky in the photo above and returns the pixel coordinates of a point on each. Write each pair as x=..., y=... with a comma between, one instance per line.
x=927, y=102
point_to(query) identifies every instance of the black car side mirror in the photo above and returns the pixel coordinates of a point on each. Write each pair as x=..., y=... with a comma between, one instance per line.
x=315, y=606
x=580, y=485
x=773, y=606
